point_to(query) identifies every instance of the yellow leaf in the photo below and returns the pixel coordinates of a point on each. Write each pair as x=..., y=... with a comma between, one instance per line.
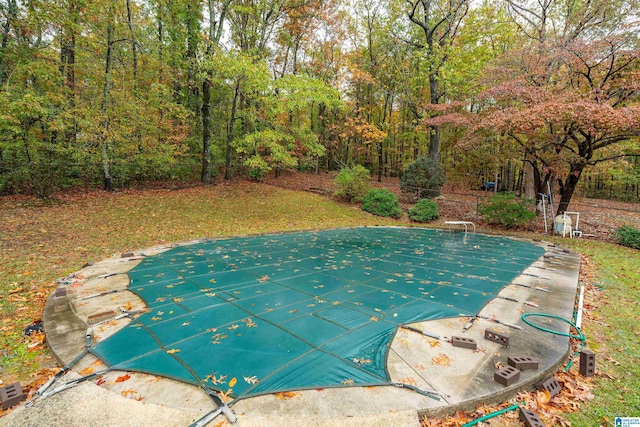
x=173, y=351
x=233, y=381
x=441, y=359
x=86, y=371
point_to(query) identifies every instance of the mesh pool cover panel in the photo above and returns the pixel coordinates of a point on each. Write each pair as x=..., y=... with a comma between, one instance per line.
x=303, y=310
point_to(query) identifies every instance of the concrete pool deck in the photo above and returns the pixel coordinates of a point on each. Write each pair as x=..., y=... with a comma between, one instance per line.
x=463, y=378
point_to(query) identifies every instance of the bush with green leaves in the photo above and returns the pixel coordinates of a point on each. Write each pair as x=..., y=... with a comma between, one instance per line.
x=353, y=183
x=507, y=210
x=424, y=211
x=423, y=177
x=382, y=202
x=628, y=236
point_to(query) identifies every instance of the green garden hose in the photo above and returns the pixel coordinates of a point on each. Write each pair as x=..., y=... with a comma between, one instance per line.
x=491, y=415
x=580, y=336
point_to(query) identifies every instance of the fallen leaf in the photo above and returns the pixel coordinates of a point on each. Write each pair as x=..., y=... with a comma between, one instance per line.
x=123, y=378
x=286, y=395
x=173, y=351
x=441, y=359
x=251, y=380
x=86, y=371
x=233, y=382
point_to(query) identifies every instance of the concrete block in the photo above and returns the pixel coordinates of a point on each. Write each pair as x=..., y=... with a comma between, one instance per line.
x=587, y=363
x=507, y=375
x=127, y=255
x=464, y=342
x=551, y=385
x=523, y=363
x=11, y=395
x=530, y=418
x=498, y=337
x=60, y=292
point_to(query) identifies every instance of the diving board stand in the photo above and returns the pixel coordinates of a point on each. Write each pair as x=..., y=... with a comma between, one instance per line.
x=466, y=224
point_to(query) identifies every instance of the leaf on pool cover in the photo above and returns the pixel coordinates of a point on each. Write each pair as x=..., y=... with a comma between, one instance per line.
x=233, y=382
x=263, y=279
x=216, y=380
x=251, y=380
x=173, y=351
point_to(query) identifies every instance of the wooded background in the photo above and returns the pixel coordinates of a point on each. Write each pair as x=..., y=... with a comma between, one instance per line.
x=119, y=93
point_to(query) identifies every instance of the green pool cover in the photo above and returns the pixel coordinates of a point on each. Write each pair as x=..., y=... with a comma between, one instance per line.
x=254, y=315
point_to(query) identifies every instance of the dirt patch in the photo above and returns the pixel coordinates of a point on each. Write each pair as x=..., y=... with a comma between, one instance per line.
x=598, y=217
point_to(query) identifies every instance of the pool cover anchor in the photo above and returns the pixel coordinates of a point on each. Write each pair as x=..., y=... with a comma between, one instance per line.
x=433, y=394
x=529, y=303
x=222, y=408
x=426, y=334
x=42, y=391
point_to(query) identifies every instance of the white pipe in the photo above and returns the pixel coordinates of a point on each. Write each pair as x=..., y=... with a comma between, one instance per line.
x=580, y=303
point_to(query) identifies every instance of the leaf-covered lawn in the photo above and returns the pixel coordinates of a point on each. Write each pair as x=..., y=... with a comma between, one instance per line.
x=41, y=241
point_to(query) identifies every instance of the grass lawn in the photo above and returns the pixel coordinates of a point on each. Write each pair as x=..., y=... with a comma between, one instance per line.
x=41, y=241
x=613, y=332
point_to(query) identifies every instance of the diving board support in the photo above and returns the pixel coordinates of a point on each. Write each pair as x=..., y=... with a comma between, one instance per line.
x=466, y=224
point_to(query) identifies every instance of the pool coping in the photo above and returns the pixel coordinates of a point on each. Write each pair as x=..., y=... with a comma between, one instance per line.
x=66, y=328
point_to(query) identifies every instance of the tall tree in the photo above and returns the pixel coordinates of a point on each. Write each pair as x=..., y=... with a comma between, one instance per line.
x=217, y=15
x=439, y=22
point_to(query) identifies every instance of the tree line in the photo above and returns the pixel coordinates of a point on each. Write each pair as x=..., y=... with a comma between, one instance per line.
x=112, y=93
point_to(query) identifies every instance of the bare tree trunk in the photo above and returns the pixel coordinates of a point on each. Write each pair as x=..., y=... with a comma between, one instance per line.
x=215, y=32
x=569, y=185
x=11, y=15
x=230, y=133
x=206, y=131
x=104, y=153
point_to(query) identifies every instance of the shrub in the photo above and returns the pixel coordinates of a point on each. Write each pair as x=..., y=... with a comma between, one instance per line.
x=382, y=202
x=424, y=176
x=505, y=209
x=628, y=236
x=353, y=183
x=423, y=211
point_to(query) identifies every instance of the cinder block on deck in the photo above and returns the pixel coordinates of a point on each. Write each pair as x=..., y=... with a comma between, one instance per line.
x=551, y=385
x=100, y=317
x=507, y=375
x=523, y=363
x=11, y=395
x=530, y=418
x=464, y=342
x=60, y=292
x=127, y=255
x=498, y=337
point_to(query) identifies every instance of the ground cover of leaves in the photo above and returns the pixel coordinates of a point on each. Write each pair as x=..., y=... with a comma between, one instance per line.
x=44, y=240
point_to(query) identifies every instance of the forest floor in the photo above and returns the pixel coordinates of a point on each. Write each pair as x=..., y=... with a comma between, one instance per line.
x=598, y=217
